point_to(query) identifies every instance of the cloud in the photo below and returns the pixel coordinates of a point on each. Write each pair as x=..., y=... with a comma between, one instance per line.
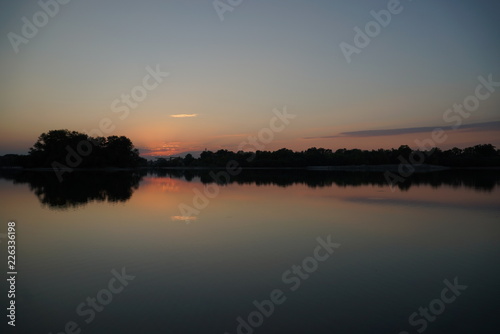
x=183, y=115
x=165, y=149
x=487, y=126
x=184, y=218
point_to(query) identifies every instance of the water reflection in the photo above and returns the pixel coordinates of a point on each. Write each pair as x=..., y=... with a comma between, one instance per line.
x=79, y=188
x=485, y=180
x=397, y=247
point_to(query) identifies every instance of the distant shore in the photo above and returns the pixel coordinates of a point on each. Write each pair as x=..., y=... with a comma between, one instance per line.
x=348, y=168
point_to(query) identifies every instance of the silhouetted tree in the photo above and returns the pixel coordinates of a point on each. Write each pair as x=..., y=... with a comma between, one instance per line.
x=65, y=147
x=188, y=159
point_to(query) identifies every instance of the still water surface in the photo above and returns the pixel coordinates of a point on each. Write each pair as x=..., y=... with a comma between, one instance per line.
x=199, y=276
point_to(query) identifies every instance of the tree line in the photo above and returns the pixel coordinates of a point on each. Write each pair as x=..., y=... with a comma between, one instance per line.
x=485, y=155
x=64, y=148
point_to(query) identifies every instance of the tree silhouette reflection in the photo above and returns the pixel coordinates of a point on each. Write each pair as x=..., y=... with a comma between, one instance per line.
x=77, y=188
x=80, y=188
x=483, y=180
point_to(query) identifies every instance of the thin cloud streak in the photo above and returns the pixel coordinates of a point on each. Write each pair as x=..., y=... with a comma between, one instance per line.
x=403, y=131
x=183, y=115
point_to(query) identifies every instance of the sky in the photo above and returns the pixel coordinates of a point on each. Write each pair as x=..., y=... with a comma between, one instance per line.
x=210, y=74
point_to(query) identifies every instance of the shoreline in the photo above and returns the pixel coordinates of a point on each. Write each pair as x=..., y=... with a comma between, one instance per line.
x=348, y=168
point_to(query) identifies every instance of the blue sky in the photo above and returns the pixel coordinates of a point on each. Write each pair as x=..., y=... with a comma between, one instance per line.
x=231, y=74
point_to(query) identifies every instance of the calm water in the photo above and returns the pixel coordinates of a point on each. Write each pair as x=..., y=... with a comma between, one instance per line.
x=198, y=276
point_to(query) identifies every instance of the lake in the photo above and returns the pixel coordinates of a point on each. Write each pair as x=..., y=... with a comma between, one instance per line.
x=268, y=251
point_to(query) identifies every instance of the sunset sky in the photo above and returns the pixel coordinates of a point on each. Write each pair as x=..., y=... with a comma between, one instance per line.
x=225, y=77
